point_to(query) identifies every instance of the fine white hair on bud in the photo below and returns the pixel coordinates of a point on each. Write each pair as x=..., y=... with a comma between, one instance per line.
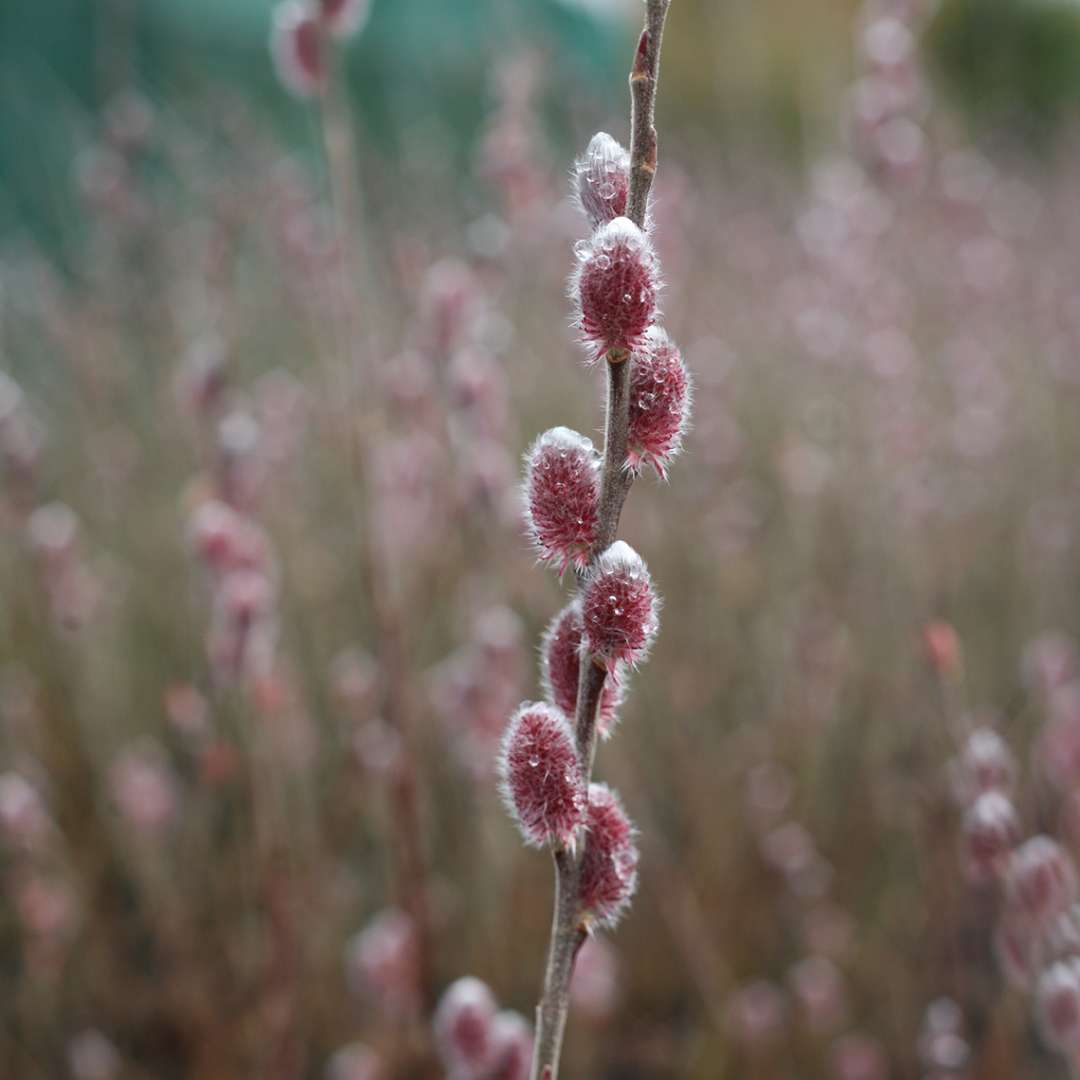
x=614, y=287
x=620, y=608
x=561, y=496
x=344, y=18
x=660, y=396
x=601, y=179
x=609, y=865
x=464, y=1022
x=298, y=48
x=560, y=670
x=1041, y=881
x=540, y=775
x=1057, y=1003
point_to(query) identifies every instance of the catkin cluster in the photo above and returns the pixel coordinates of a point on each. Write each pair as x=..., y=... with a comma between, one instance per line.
x=608, y=627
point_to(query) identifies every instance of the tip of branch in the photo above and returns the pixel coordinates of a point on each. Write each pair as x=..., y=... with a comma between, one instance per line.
x=640, y=69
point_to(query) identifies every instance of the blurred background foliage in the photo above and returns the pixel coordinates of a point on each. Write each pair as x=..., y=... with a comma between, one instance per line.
x=770, y=74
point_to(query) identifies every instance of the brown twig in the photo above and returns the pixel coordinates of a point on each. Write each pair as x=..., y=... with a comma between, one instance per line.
x=568, y=930
x=354, y=372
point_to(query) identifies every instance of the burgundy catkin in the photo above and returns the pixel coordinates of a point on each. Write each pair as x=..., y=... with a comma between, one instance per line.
x=540, y=775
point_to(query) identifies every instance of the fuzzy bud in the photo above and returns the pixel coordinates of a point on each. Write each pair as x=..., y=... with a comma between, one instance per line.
x=540, y=775
x=343, y=18
x=991, y=830
x=225, y=539
x=615, y=287
x=601, y=180
x=354, y=1062
x=560, y=670
x=985, y=764
x=660, y=393
x=382, y=962
x=298, y=47
x=1041, y=880
x=562, y=493
x=621, y=612
x=609, y=865
x=512, y=1047
x=1057, y=1001
x=464, y=1022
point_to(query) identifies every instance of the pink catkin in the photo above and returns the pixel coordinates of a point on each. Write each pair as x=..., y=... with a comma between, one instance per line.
x=1040, y=882
x=562, y=492
x=660, y=394
x=991, y=829
x=512, y=1047
x=540, y=775
x=464, y=1027
x=354, y=1062
x=608, y=875
x=601, y=180
x=560, y=669
x=382, y=962
x=298, y=47
x=620, y=609
x=1057, y=1002
x=344, y=17
x=985, y=763
x=615, y=287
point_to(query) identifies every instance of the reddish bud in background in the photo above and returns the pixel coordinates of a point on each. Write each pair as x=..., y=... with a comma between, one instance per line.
x=23, y=815
x=1041, y=880
x=225, y=539
x=344, y=17
x=942, y=647
x=601, y=180
x=991, y=829
x=354, y=1062
x=985, y=764
x=1057, y=1002
x=540, y=775
x=660, y=395
x=464, y=1027
x=942, y=1047
x=298, y=47
x=615, y=286
x=620, y=609
x=1050, y=661
x=609, y=865
x=512, y=1047
x=144, y=788
x=382, y=961
x=562, y=492
x=560, y=669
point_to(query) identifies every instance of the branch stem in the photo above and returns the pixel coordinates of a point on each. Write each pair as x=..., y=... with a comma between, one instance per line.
x=569, y=928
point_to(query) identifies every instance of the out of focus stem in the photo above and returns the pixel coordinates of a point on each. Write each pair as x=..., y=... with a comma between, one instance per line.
x=365, y=429
x=569, y=928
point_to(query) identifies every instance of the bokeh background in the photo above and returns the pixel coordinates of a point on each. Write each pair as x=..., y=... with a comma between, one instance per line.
x=248, y=820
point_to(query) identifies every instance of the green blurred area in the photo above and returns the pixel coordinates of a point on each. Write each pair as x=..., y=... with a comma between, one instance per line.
x=772, y=72
x=418, y=63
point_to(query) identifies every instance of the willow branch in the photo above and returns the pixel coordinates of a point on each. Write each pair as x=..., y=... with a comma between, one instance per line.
x=569, y=931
